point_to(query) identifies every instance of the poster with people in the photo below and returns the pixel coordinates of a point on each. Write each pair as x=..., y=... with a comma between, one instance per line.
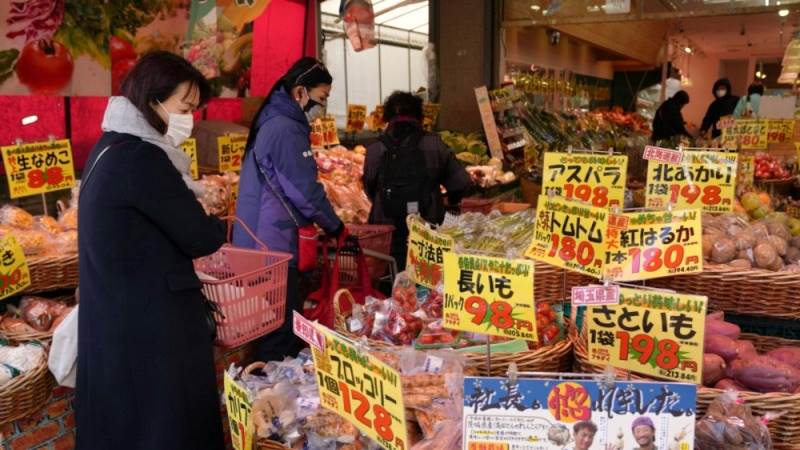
x=541, y=414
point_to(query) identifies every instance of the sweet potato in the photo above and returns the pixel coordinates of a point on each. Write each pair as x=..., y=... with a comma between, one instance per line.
x=766, y=374
x=728, y=384
x=746, y=350
x=724, y=328
x=787, y=355
x=713, y=369
x=722, y=346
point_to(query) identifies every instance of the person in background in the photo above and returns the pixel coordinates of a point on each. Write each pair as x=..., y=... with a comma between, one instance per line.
x=723, y=105
x=584, y=435
x=145, y=376
x=278, y=189
x=644, y=431
x=404, y=169
x=668, y=121
x=749, y=105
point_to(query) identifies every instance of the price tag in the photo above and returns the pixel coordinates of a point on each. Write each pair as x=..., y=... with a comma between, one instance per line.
x=231, y=151
x=650, y=332
x=317, y=135
x=745, y=170
x=356, y=115
x=746, y=134
x=569, y=235
x=726, y=122
x=426, y=249
x=305, y=330
x=595, y=179
x=189, y=147
x=362, y=389
x=645, y=245
x=595, y=295
x=240, y=408
x=704, y=179
x=14, y=274
x=780, y=131
x=38, y=168
x=329, y=130
x=664, y=155
x=489, y=296
x=430, y=113
x=376, y=122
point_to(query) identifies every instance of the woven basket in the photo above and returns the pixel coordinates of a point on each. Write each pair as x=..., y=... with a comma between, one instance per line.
x=44, y=336
x=26, y=394
x=52, y=273
x=550, y=358
x=340, y=321
x=266, y=444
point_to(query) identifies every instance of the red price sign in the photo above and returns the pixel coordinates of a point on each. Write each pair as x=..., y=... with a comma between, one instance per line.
x=779, y=131
x=645, y=348
x=583, y=192
x=568, y=249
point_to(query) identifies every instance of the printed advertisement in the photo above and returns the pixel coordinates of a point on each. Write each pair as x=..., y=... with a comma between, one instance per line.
x=598, y=180
x=704, y=179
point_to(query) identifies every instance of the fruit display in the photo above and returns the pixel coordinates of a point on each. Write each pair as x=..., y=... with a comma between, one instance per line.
x=769, y=167
x=470, y=149
x=771, y=243
x=341, y=173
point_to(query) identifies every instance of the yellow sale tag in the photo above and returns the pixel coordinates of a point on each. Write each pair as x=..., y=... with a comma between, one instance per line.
x=650, y=332
x=361, y=389
x=38, y=168
x=430, y=113
x=329, y=130
x=14, y=273
x=239, y=409
x=426, y=249
x=231, y=151
x=189, y=147
x=745, y=134
x=746, y=170
x=595, y=179
x=489, y=296
x=356, y=116
x=780, y=131
x=645, y=245
x=704, y=179
x=569, y=235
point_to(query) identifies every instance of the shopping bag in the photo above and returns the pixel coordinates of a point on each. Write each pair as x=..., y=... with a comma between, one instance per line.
x=359, y=20
x=63, y=359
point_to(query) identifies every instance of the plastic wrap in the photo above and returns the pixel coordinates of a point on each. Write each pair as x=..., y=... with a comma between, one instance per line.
x=729, y=424
x=16, y=217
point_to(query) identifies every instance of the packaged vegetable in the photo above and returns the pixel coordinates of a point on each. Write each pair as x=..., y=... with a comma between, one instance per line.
x=16, y=217
x=730, y=425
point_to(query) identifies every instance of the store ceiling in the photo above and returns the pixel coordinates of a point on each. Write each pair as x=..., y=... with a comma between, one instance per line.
x=739, y=36
x=409, y=15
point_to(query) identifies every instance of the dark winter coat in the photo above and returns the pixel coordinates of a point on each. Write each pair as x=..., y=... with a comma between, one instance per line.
x=720, y=107
x=668, y=121
x=146, y=376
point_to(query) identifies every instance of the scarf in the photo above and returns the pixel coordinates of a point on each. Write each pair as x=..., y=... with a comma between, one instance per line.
x=122, y=116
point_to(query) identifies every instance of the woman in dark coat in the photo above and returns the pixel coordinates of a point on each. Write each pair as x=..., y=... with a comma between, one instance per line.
x=668, y=121
x=723, y=105
x=145, y=378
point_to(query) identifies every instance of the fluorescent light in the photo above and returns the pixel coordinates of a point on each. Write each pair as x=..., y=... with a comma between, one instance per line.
x=687, y=49
x=536, y=7
x=758, y=74
x=30, y=120
x=783, y=12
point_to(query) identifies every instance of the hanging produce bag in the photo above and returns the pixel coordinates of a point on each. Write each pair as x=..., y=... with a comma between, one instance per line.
x=359, y=22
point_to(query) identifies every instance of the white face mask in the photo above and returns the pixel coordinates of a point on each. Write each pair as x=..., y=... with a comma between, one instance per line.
x=179, y=127
x=721, y=93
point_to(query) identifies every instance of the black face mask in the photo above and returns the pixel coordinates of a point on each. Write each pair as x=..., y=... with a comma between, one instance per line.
x=310, y=104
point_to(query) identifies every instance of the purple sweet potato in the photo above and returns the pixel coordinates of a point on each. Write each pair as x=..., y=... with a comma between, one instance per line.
x=766, y=374
x=788, y=355
x=722, y=346
x=714, y=327
x=713, y=369
x=728, y=384
x=746, y=350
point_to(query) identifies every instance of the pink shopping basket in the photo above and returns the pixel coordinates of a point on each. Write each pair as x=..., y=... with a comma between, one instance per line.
x=248, y=286
x=377, y=238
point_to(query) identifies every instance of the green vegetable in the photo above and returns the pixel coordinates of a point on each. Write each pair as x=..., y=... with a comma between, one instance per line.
x=8, y=58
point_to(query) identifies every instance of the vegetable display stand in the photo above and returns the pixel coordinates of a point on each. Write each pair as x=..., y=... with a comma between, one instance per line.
x=52, y=273
x=25, y=394
x=476, y=204
x=555, y=358
x=248, y=288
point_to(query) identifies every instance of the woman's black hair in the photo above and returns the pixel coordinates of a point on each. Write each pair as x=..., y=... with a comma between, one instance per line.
x=755, y=88
x=155, y=78
x=402, y=104
x=307, y=72
x=681, y=97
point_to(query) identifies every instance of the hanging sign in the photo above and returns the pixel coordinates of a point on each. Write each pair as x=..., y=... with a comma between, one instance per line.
x=569, y=235
x=305, y=330
x=703, y=179
x=356, y=116
x=745, y=134
x=189, y=147
x=231, y=151
x=650, y=332
x=430, y=113
x=426, y=249
x=14, y=274
x=240, y=409
x=592, y=178
x=547, y=414
x=361, y=389
x=745, y=169
x=38, y=167
x=330, y=131
x=489, y=296
x=780, y=131
x=645, y=245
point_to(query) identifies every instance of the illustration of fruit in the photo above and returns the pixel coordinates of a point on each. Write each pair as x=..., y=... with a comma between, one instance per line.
x=45, y=66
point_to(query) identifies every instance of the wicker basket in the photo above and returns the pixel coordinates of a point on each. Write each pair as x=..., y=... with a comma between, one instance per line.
x=44, y=336
x=26, y=394
x=550, y=358
x=52, y=273
x=266, y=444
x=340, y=321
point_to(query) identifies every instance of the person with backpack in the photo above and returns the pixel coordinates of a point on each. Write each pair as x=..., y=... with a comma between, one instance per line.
x=405, y=170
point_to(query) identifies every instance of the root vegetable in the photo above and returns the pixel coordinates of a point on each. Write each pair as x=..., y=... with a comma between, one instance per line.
x=788, y=355
x=722, y=346
x=766, y=374
x=728, y=329
x=713, y=369
x=765, y=255
x=723, y=251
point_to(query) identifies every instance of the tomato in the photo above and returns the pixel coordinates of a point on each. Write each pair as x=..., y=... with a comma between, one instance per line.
x=119, y=70
x=120, y=49
x=45, y=66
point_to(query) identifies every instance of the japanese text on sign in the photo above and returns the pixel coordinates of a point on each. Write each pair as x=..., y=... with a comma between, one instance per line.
x=38, y=168
x=595, y=295
x=746, y=134
x=704, y=180
x=362, y=389
x=430, y=113
x=645, y=245
x=189, y=147
x=231, y=152
x=780, y=131
x=489, y=295
x=356, y=116
x=305, y=330
x=595, y=179
x=664, y=155
x=239, y=409
x=426, y=249
x=746, y=170
x=14, y=274
x=569, y=235
x=329, y=131
x=650, y=332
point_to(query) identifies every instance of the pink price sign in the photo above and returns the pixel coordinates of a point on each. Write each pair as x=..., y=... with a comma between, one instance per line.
x=305, y=330
x=595, y=295
x=664, y=155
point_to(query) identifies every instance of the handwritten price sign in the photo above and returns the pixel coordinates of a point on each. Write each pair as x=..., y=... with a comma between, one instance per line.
x=650, y=332
x=780, y=131
x=362, y=389
x=356, y=116
x=704, y=179
x=430, y=112
x=746, y=134
x=645, y=245
x=595, y=179
x=14, y=274
x=489, y=295
x=240, y=409
x=329, y=131
x=38, y=168
x=426, y=249
x=231, y=152
x=189, y=147
x=569, y=235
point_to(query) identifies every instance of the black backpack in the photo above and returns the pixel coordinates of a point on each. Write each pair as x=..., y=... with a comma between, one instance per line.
x=405, y=186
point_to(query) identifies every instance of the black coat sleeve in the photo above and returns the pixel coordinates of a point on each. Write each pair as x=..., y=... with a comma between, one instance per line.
x=158, y=191
x=371, y=168
x=454, y=177
x=711, y=117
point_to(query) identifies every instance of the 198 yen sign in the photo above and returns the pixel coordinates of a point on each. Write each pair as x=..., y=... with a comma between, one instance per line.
x=704, y=179
x=595, y=179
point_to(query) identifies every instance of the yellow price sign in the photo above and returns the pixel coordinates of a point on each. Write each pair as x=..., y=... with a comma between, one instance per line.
x=489, y=296
x=704, y=179
x=231, y=152
x=569, y=235
x=240, y=409
x=189, y=147
x=38, y=168
x=430, y=112
x=14, y=274
x=361, y=389
x=645, y=245
x=356, y=116
x=745, y=170
x=595, y=179
x=650, y=332
x=329, y=130
x=746, y=134
x=780, y=131
x=426, y=249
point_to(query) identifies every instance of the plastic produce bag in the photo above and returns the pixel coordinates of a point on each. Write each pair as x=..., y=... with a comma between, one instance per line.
x=729, y=424
x=63, y=359
x=359, y=22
